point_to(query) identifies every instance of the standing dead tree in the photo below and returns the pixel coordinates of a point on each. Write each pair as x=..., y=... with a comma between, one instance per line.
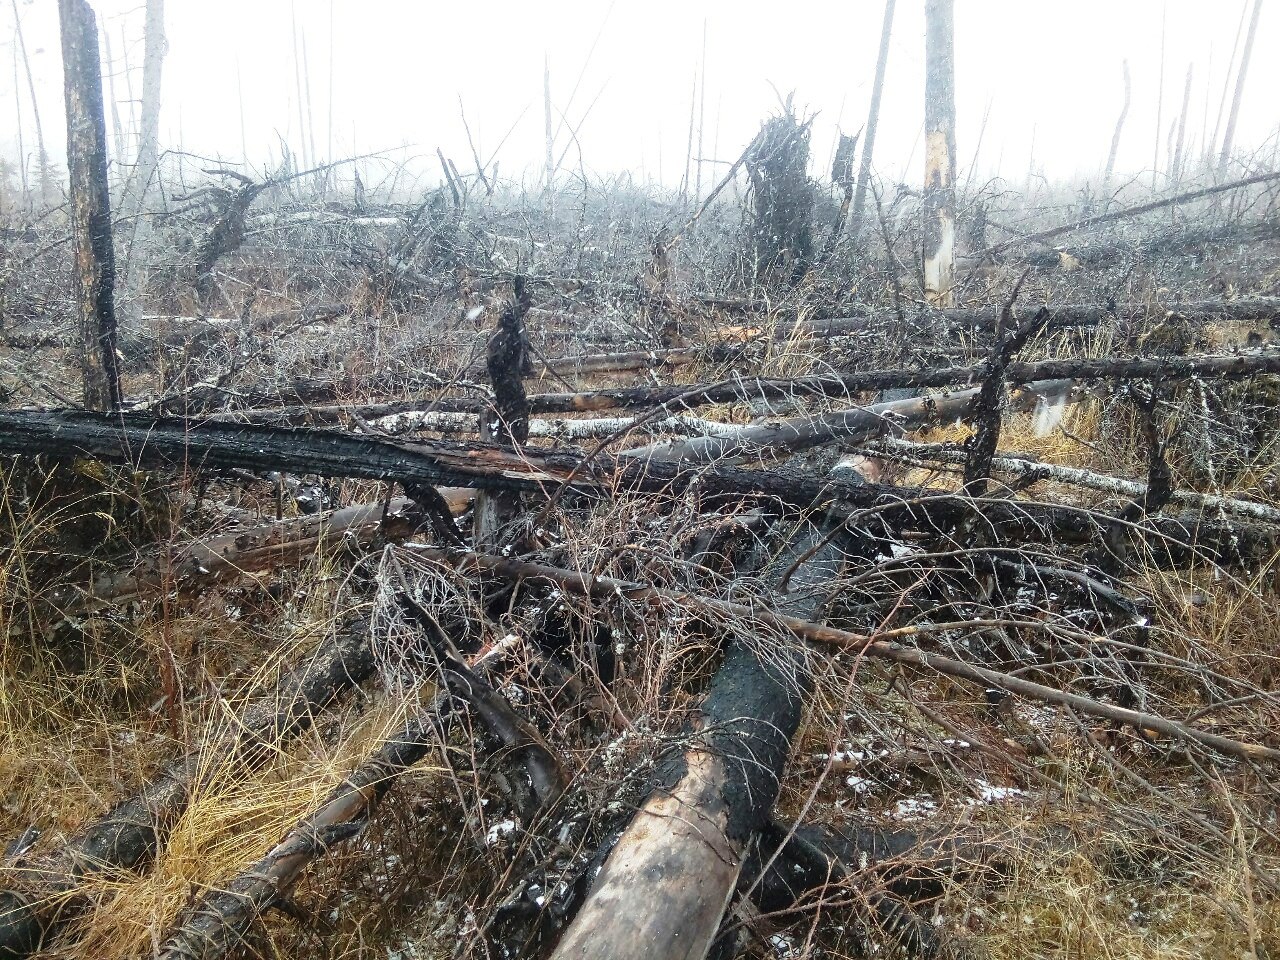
x=507, y=422
x=782, y=199
x=1115, y=137
x=1179, y=150
x=95, y=264
x=940, y=152
x=42, y=156
x=873, y=121
x=144, y=171
x=841, y=176
x=1228, y=138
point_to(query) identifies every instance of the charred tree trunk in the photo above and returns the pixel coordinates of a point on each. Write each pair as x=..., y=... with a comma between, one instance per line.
x=782, y=200
x=940, y=152
x=507, y=423
x=667, y=882
x=95, y=264
x=181, y=444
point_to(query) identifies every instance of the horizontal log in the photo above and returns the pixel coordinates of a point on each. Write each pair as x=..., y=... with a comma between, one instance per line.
x=846, y=386
x=1060, y=316
x=220, y=919
x=45, y=892
x=193, y=567
x=769, y=440
x=186, y=445
x=593, y=428
x=1104, y=483
x=1127, y=213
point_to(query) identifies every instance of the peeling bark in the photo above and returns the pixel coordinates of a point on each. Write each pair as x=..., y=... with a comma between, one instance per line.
x=94, y=255
x=669, y=879
x=939, y=209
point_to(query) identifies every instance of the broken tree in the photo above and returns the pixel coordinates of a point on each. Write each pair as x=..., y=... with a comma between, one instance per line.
x=95, y=263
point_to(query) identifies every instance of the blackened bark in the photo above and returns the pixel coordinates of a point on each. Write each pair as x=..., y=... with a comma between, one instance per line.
x=95, y=264
x=507, y=422
x=667, y=882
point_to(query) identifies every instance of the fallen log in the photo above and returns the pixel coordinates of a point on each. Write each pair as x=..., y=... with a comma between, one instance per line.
x=221, y=919
x=668, y=881
x=832, y=386
x=46, y=891
x=1060, y=316
x=1130, y=212
x=1017, y=466
x=614, y=362
x=191, y=568
x=182, y=444
x=593, y=428
x=768, y=440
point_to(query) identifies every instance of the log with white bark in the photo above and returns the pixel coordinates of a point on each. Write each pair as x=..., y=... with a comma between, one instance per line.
x=586, y=429
x=769, y=440
x=892, y=447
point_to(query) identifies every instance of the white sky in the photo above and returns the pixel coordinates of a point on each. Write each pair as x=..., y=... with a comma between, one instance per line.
x=1049, y=72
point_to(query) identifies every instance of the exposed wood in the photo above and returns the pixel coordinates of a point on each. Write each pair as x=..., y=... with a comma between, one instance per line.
x=769, y=440
x=44, y=897
x=939, y=202
x=94, y=256
x=668, y=881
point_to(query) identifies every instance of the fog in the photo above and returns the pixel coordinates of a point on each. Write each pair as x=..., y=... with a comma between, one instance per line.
x=1038, y=84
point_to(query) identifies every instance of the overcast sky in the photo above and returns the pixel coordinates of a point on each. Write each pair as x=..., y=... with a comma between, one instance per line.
x=1045, y=75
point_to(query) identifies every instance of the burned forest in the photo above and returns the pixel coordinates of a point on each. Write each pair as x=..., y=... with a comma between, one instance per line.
x=847, y=545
